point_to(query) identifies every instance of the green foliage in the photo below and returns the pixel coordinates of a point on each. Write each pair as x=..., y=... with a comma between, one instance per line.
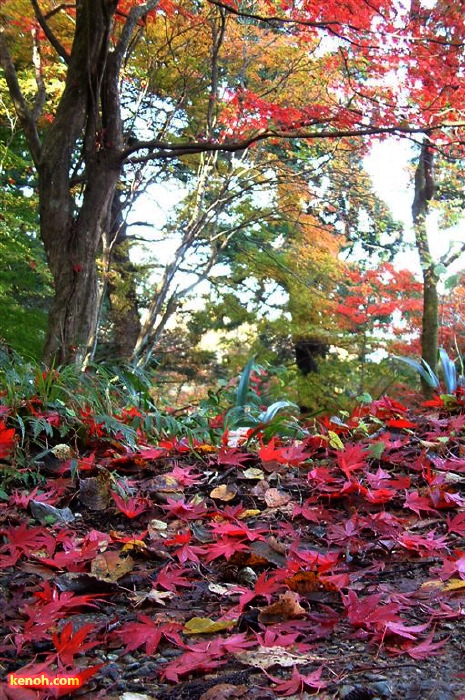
x=25, y=283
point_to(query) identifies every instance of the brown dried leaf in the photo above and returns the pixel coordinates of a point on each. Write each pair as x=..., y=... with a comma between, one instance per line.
x=285, y=608
x=224, y=691
x=223, y=493
x=110, y=566
x=274, y=498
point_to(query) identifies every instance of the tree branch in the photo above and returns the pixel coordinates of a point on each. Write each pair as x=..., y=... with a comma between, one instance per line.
x=449, y=257
x=37, y=62
x=136, y=14
x=165, y=150
x=22, y=110
x=276, y=20
x=57, y=45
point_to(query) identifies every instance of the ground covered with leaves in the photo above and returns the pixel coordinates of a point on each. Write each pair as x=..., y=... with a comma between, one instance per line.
x=329, y=566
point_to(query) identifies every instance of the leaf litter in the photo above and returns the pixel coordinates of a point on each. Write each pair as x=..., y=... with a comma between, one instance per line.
x=330, y=567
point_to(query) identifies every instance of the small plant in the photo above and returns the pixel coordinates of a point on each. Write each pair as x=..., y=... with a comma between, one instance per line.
x=249, y=411
x=452, y=381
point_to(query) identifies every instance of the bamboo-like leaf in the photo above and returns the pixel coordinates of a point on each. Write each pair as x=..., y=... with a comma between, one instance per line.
x=244, y=382
x=271, y=411
x=449, y=371
x=423, y=369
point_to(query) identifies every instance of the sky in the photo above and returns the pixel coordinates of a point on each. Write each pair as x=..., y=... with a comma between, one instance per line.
x=390, y=170
x=389, y=166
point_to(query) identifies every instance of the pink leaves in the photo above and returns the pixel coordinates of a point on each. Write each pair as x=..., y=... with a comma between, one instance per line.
x=420, y=651
x=370, y=613
x=24, y=540
x=206, y=656
x=354, y=518
x=425, y=546
x=298, y=682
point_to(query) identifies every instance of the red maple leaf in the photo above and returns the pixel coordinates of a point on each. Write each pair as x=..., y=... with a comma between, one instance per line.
x=426, y=545
x=131, y=507
x=451, y=566
x=351, y=458
x=400, y=423
x=68, y=644
x=264, y=586
x=184, y=510
x=24, y=540
x=414, y=501
x=23, y=498
x=276, y=638
x=237, y=529
x=377, y=496
x=66, y=600
x=420, y=651
x=148, y=632
x=457, y=524
x=185, y=476
x=50, y=607
x=369, y=612
x=190, y=662
x=187, y=551
x=405, y=631
x=172, y=576
x=225, y=547
x=232, y=457
x=297, y=683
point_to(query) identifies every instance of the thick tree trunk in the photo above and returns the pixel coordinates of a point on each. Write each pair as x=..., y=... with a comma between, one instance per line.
x=424, y=192
x=87, y=128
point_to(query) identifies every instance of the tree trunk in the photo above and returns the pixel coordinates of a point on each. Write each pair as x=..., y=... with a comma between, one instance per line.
x=89, y=110
x=79, y=165
x=424, y=192
x=430, y=322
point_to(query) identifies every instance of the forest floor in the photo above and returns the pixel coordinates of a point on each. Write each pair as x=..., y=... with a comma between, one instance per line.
x=331, y=567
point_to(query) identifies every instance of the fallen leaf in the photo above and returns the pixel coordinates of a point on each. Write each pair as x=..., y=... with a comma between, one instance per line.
x=203, y=625
x=266, y=657
x=303, y=582
x=286, y=607
x=453, y=584
x=223, y=493
x=153, y=596
x=94, y=492
x=274, y=498
x=110, y=566
x=224, y=691
x=254, y=473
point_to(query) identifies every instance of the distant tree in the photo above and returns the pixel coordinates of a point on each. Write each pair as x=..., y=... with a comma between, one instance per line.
x=432, y=269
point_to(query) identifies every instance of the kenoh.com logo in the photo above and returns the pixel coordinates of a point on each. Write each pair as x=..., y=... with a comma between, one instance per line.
x=43, y=681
